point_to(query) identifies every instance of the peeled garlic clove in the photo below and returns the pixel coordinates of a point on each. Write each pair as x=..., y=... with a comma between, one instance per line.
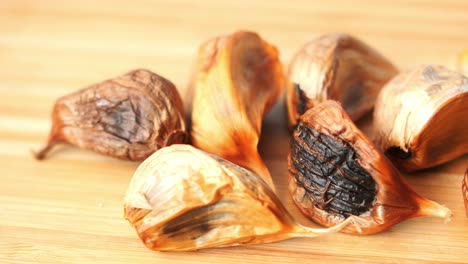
x=465, y=191
x=338, y=67
x=183, y=199
x=128, y=117
x=336, y=173
x=421, y=117
x=238, y=79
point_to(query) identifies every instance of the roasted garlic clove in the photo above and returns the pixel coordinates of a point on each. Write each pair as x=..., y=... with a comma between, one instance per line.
x=421, y=117
x=338, y=67
x=336, y=173
x=183, y=199
x=128, y=117
x=465, y=191
x=239, y=78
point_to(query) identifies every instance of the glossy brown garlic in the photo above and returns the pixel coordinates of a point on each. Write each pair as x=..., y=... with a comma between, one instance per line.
x=182, y=199
x=420, y=118
x=238, y=79
x=337, y=67
x=336, y=173
x=465, y=191
x=128, y=117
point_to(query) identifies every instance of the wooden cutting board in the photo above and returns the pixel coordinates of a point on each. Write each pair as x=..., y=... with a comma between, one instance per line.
x=68, y=209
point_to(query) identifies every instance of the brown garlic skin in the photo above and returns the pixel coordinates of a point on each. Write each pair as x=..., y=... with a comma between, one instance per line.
x=421, y=117
x=128, y=117
x=183, y=199
x=465, y=191
x=336, y=173
x=237, y=81
x=337, y=67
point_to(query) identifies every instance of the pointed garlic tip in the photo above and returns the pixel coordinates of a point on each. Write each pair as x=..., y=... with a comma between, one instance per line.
x=431, y=208
x=337, y=67
x=237, y=80
x=121, y=117
x=41, y=153
x=420, y=118
x=182, y=198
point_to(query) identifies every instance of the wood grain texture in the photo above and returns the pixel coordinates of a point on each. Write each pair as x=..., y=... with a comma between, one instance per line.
x=68, y=209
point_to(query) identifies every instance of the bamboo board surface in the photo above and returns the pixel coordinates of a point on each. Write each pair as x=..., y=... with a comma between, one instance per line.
x=68, y=209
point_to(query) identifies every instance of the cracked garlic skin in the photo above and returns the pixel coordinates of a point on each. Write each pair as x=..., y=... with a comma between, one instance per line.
x=183, y=199
x=336, y=173
x=337, y=67
x=237, y=81
x=128, y=117
x=421, y=117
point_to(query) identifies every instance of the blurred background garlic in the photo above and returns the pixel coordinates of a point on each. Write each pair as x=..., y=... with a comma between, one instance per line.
x=338, y=67
x=421, y=117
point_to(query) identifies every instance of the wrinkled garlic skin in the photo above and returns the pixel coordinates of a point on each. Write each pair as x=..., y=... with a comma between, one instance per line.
x=183, y=199
x=465, y=191
x=128, y=117
x=421, y=117
x=238, y=79
x=336, y=173
x=337, y=67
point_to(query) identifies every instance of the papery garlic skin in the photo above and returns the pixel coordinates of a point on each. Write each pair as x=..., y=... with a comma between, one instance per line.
x=183, y=199
x=128, y=117
x=337, y=67
x=237, y=80
x=421, y=117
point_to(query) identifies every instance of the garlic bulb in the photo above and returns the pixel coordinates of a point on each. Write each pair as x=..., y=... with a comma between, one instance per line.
x=182, y=199
x=338, y=67
x=421, y=117
x=336, y=173
x=238, y=79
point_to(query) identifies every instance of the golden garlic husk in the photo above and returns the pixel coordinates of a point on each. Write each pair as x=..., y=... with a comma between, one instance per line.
x=337, y=67
x=182, y=199
x=421, y=117
x=237, y=80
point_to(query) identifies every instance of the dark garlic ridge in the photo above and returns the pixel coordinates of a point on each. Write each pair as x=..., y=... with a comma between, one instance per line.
x=328, y=170
x=128, y=117
x=336, y=173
